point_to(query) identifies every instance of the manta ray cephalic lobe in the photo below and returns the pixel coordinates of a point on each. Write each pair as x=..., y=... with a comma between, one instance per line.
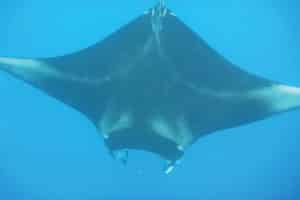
x=155, y=85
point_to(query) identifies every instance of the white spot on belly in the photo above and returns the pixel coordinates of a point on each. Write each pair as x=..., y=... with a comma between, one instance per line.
x=175, y=130
x=109, y=124
x=180, y=148
x=160, y=126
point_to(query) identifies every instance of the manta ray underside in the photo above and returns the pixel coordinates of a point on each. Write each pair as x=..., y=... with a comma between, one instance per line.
x=155, y=85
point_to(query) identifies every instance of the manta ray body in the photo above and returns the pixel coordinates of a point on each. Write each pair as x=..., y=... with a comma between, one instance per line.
x=155, y=85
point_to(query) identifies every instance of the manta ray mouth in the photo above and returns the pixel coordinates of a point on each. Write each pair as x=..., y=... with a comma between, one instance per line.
x=130, y=139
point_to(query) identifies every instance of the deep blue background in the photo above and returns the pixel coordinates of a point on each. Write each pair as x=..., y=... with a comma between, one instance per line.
x=49, y=151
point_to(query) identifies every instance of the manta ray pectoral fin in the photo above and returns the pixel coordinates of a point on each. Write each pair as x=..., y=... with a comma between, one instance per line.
x=80, y=79
x=279, y=97
x=232, y=108
x=66, y=87
x=29, y=69
x=219, y=94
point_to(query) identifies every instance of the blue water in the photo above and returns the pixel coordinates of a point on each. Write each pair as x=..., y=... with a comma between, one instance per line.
x=50, y=152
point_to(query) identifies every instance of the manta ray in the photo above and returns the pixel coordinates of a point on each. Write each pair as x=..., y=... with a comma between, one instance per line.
x=155, y=85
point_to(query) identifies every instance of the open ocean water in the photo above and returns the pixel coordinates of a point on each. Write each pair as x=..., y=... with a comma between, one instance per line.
x=48, y=151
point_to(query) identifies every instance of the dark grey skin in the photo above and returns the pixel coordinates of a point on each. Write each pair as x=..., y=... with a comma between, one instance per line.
x=155, y=85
